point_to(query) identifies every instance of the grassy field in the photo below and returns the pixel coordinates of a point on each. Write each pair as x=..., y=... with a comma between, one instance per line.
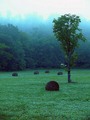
x=25, y=98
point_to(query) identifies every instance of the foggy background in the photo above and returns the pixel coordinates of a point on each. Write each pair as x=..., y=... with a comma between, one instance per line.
x=26, y=33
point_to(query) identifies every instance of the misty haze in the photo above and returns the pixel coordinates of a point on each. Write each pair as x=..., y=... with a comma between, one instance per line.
x=33, y=61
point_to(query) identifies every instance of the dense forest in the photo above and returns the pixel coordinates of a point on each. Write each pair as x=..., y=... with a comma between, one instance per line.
x=29, y=42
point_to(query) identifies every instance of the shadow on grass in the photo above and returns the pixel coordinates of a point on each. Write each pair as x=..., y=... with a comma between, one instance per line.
x=5, y=116
x=70, y=83
x=87, y=117
x=62, y=117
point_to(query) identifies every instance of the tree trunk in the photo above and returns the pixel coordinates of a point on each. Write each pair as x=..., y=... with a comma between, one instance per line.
x=69, y=69
x=69, y=76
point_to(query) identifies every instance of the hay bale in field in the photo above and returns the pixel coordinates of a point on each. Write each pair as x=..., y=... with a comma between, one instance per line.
x=52, y=86
x=36, y=72
x=60, y=73
x=47, y=71
x=15, y=74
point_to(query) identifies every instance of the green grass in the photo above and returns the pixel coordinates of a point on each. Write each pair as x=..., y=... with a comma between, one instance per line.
x=25, y=98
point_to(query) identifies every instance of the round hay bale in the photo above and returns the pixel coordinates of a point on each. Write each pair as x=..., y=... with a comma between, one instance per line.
x=36, y=72
x=52, y=86
x=15, y=74
x=47, y=71
x=60, y=73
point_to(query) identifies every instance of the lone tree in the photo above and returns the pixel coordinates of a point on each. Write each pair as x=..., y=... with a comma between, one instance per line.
x=67, y=31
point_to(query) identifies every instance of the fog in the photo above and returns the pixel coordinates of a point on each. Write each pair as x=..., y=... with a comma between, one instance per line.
x=30, y=43
x=44, y=8
x=26, y=33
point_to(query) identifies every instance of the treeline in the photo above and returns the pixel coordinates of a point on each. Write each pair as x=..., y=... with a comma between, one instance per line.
x=34, y=46
x=19, y=51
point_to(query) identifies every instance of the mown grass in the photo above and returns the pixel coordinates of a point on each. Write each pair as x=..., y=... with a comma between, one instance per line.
x=25, y=98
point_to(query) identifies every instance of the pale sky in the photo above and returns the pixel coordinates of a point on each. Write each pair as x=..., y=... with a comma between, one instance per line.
x=45, y=7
